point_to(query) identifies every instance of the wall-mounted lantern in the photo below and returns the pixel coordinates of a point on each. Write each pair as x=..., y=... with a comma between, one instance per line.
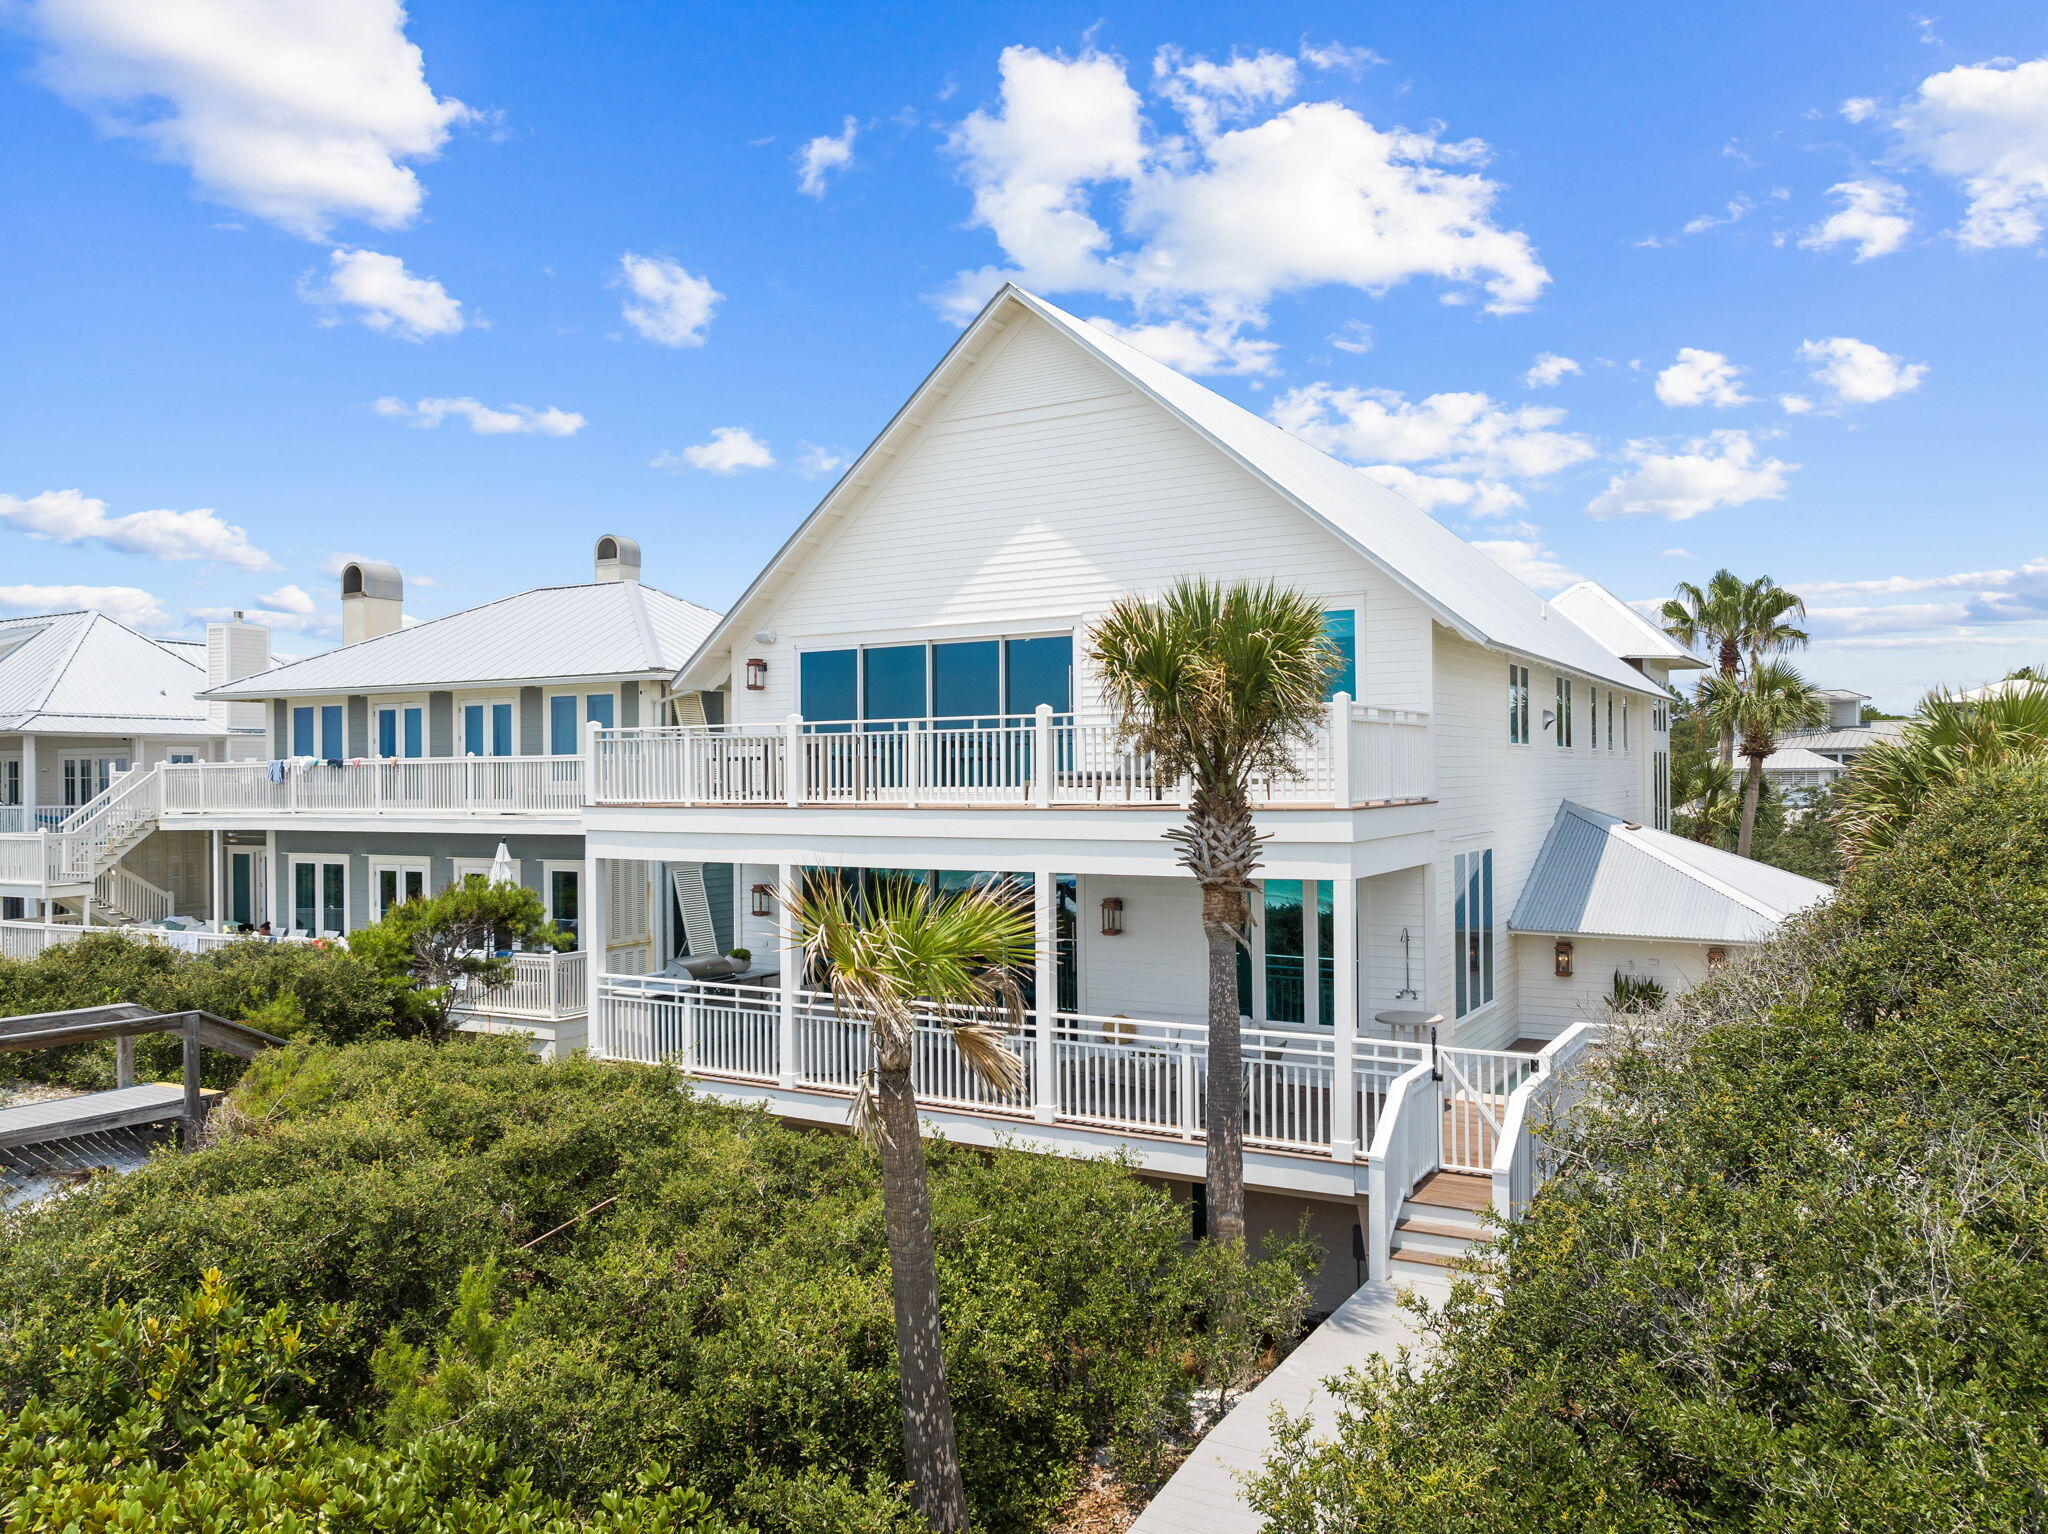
x=1112, y=917
x=757, y=675
x=762, y=902
x=1563, y=968
x=1716, y=957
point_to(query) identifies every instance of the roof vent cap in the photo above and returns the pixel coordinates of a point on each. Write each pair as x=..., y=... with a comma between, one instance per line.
x=618, y=559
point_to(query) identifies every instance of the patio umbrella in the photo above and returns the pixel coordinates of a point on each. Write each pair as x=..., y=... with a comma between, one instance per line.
x=503, y=869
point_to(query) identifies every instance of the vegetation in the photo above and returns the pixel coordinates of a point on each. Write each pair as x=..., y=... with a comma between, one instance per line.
x=1219, y=685
x=600, y=1275
x=1766, y=700
x=1800, y=836
x=891, y=957
x=1945, y=742
x=1790, y=1278
x=429, y=951
x=1736, y=623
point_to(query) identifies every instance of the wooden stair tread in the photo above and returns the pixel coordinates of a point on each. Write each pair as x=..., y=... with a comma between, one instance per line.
x=1427, y=1258
x=1475, y=1235
x=1454, y=1190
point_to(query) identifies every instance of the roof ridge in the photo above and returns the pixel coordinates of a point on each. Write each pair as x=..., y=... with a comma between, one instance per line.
x=1678, y=865
x=637, y=606
x=55, y=674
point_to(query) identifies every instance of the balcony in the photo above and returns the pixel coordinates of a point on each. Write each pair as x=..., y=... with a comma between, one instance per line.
x=1356, y=756
x=421, y=787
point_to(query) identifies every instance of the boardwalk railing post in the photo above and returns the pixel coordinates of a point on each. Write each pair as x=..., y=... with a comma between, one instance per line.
x=124, y=1061
x=195, y=1105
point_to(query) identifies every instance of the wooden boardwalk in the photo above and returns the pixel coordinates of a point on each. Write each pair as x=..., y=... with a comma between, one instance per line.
x=60, y=1118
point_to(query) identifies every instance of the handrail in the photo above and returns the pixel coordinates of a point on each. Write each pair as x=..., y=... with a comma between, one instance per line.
x=1516, y=1171
x=1405, y=1137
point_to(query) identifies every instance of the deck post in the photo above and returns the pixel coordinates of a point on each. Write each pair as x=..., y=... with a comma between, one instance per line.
x=787, y=980
x=195, y=1105
x=1338, y=715
x=1041, y=756
x=1045, y=976
x=594, y=932
x=793, y=773
x=124, y=1061
x=1344, y=1138
x=213, y=880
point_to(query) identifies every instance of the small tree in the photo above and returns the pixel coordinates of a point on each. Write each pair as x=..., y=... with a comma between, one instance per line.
x=1768, y=701
x=433, y=950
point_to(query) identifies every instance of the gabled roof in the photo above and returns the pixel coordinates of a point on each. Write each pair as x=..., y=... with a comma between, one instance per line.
x=1601, y=876
x=82, y=673
x=1797, y=759
x=1462, y=588
x=1849, y=737
x=605, y=629
x=1618, y=626
x=1841, y=695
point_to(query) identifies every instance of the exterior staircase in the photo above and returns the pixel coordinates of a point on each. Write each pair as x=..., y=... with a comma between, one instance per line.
x=1440, y=1225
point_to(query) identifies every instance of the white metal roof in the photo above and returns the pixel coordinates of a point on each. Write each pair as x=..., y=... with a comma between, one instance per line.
x=1601, y=876
x=1855, y=737
x=2011, y=684
x=82, y=673
x=1621, y=628
x=1841, y=695
x=1797, y=759
x=605, y=629
x=1463, y=588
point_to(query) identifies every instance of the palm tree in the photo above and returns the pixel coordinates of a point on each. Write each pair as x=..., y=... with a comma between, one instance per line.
x=1947, y=739
x=1736, y=623
x=1220, y=686
x=896, y=956
x=1770, y=699
x=1703, y=792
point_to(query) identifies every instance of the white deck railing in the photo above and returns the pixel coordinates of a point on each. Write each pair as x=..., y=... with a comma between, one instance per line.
x=1526, y=1156
x=1357, y=755
x=1109, y=1073
x=543, y=986
x=428, y=785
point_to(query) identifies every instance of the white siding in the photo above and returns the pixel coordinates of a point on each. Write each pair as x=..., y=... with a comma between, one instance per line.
x=1158, y=968
x=1388, y=905
x=1549, y=1005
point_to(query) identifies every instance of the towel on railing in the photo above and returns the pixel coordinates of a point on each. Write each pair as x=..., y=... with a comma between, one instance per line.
x=277, y=771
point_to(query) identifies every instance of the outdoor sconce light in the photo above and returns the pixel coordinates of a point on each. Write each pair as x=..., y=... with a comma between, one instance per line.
x=1564, y=960
x=757, y=675
x=1112, y=917
x=1716, y=957
x=763, y=903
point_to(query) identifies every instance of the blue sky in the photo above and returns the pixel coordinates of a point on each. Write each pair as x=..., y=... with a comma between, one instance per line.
x=601, y=264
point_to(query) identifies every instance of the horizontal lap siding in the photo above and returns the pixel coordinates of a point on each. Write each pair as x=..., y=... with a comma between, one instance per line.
x=1505, y=797
x=1158, y=968
x=1549, y=1005
x=1046, y=492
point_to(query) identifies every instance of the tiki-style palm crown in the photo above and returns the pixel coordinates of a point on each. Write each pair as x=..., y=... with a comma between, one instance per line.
x=902, y=951
x=1772, y=700
x=1733, y=619
x=1217, y=684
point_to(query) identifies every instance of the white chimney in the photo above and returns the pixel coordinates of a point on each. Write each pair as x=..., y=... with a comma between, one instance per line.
x=372, y=601
x=234, y=650
x=618, y=559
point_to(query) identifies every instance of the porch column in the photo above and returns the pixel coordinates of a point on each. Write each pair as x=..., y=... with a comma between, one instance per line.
x=790, y=978
x=28, y=781
x=1046, y=989
x=596, y=935
x=1344, y=1127
x=213, y=880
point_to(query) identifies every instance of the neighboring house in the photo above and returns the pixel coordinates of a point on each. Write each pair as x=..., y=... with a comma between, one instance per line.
x=405, y=760
x=1798, y=771
x=906, y=687
x=83, y=700
x=1845, y=735
x=2003, y=688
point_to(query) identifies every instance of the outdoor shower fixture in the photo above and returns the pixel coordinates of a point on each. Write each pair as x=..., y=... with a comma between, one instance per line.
x=1407, y=991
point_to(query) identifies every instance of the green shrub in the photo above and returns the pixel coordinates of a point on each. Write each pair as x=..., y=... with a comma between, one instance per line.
x=591, y=1268
x=1792, y=1280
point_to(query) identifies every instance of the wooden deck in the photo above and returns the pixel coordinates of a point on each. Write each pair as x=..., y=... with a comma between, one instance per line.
x=60, y=1118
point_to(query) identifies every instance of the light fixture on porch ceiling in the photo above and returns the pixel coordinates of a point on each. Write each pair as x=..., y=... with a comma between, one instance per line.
x=757, y=674
x=1112, y=917
x=762, y=902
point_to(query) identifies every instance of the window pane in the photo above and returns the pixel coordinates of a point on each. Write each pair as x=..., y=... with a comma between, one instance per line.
x=967, y=680
x=304, y=887
x=562, y=725
x=387, y=889
x=415, y=737
x=1486, y=923
x=1284, y=980
x=562, y=892
x=387, y=732
x=473, y=738
x=1041, y=671
x=302, y=732
x=1326, y=950
x=501, y=729
x=1341, y=626
x=330, y=731
x=894, y=675
x=601, y=708
x=1458, y=929
x=826, y=685
x=332, y=876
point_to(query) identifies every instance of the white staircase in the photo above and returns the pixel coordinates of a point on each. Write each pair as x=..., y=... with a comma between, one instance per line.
x=1440, y=1225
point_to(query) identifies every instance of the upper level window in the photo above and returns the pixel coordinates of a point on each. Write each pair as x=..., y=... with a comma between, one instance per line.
x=1340, y=627
x=1561, y=726
x=1472, y=922
x=1593, y=716
x=1610, y=718
x=1518, y=705
x=487, y=729
x=316, y=731
x=568, y=712
x=401, y=731
x=959, y=680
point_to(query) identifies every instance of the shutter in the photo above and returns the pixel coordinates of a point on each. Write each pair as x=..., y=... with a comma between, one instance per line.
x=700, y=937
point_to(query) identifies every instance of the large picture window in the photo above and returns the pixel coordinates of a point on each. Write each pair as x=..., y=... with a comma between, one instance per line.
x=1340, y=627
x=1472, y=923
x=1518, y=705
x=962, y=682
x=1562, y=724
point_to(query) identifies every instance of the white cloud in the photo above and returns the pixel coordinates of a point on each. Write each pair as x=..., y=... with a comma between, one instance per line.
x=669, y=306
x=1352, y=336
x=1722, y=468
x=1986, y=126
x=1214, y=347
x=1463, y=433
x=1895, y=585
x=1834, y=622
x=300, y=112
x=822, y=155
x=124, y=604
x=1339, y=56
x=1548, y=370
x=1210, y=226
x=1859, y=108
x=814, y=462
x=289, y=599
x=66, y=516
x=388, y=298
x=1701, y=378
x=1795, y=404
x=2016, y=595
x=1434, y=492
x=1528, y=562
x=1874, y=217
x=1675, y=553
x=483, y=419
x=1857, y=373
x=730, y=449
x=1734, y=212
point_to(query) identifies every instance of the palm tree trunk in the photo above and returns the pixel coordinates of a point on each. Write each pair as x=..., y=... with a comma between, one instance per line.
x=1731, y=662
x=1752, y=790
x=931, y=1456
x=1222, y=927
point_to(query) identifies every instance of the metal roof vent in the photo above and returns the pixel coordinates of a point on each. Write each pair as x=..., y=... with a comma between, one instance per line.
x=372, y=601
x=618, y=559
